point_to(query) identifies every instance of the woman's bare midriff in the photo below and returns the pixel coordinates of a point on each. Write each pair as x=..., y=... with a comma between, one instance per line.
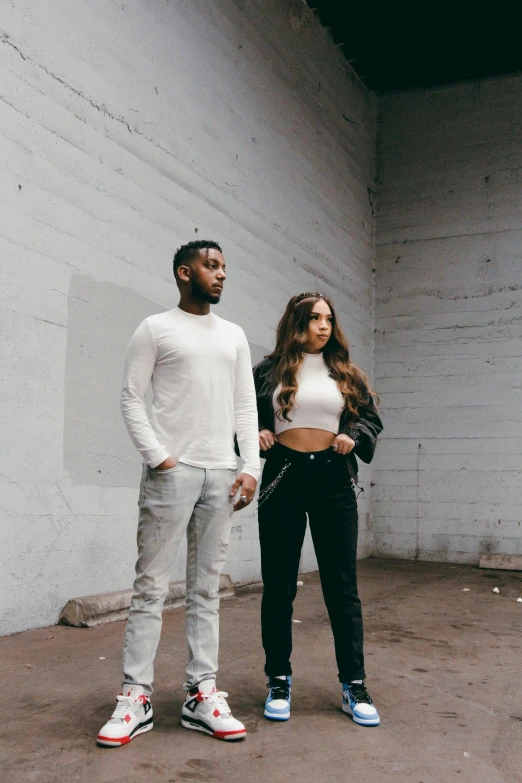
x=306, y=439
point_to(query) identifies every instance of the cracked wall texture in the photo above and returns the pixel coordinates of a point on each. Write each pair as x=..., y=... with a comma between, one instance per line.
x=449, y=322
x=126, y=129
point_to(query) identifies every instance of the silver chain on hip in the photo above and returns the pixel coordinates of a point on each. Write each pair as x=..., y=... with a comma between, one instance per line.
x=353, y=480
x=268, y=490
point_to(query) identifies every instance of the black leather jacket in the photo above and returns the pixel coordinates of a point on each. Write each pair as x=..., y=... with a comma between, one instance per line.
x=364, y=431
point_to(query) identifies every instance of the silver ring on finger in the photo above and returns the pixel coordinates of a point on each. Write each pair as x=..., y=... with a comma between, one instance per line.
x=244, y=498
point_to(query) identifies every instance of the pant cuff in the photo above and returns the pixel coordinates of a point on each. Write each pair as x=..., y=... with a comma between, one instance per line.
x=187, y=686
x=278, y=671
x=359, y=674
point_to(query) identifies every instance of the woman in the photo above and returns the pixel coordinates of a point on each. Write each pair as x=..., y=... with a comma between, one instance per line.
x=316, y=411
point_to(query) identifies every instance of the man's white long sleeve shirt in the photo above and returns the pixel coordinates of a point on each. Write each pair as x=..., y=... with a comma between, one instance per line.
x=203, y=392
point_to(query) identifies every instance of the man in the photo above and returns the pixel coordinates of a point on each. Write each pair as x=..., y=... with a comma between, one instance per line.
x=203, y=394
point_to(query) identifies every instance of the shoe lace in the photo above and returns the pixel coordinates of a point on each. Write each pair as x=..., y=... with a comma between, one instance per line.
x=359, y=693
x=124, y=704
x=279, y=689
x=218, y=699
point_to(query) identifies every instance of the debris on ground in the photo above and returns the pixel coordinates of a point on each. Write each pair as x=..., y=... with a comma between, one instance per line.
x=496, y=590
x=519, y=600
x=466, y=590
x=300, y=584
x=297, y=621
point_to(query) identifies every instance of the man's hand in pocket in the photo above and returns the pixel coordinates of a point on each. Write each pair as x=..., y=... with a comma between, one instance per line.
x=168, y=463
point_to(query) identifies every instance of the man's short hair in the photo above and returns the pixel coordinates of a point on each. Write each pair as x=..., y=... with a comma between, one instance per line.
x=189, y=252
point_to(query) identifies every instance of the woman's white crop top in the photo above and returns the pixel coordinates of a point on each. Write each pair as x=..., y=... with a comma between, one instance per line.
x=318, y=401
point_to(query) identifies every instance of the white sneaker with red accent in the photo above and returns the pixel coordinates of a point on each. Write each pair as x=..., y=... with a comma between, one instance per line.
x=132, y=716
x=209, y=712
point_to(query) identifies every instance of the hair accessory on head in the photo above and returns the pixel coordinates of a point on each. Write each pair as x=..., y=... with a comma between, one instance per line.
x=307, y=295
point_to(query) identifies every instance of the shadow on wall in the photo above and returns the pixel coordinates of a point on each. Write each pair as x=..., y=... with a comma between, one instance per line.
x=102, y=318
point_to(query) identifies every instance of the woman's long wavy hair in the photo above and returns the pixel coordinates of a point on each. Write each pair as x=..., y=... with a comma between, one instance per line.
x=292, y=336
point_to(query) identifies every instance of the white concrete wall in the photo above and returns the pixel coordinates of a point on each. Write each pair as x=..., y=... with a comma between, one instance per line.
x=126, y=129
x=449, y=322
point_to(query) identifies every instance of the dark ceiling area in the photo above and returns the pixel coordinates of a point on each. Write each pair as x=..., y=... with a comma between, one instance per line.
x=396, y=46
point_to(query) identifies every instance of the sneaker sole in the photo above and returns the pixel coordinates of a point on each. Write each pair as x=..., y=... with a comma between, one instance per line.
x=273, y=716
x=360, y=721
x=228, y=736
x=117, y=742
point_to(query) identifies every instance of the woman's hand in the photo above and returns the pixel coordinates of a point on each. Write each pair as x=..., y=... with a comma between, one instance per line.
x=343, y=444
x=266, y=440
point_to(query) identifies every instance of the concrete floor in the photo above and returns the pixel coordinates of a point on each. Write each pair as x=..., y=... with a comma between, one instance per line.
x=443, y=667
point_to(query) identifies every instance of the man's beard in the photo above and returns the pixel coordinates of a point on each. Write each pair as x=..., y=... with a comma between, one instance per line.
x=205, y=296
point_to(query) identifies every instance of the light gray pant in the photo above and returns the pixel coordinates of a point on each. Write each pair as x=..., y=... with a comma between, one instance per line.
x=172, y=502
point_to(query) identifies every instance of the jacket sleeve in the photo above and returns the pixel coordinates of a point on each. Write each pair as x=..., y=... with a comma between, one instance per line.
x=260, y=373
x=365, y=431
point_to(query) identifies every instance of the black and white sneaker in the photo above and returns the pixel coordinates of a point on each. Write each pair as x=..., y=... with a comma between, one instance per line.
x=132, y=716
x=209, y=712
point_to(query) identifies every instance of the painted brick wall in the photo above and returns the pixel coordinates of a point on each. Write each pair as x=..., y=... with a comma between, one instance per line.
x=126, y=129
x=449, y=322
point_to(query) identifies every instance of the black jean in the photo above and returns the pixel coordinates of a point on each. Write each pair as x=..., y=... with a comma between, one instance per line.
x=318, y=484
